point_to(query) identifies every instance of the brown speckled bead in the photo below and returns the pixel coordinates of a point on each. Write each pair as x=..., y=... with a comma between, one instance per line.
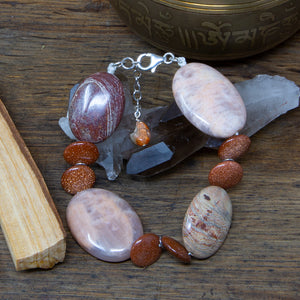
x=77, y=179
x=141, y=134
x=207, y=222
x=176, y=249
x=234, y=147
x=81, y=152
x=145, y=250
x=226, y=174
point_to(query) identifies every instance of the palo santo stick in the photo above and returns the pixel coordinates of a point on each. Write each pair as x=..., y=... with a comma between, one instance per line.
x=29, y=220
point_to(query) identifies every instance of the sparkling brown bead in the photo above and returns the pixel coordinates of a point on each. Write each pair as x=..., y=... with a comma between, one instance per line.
x=226, y=174
x=176, y=249
x=141, y=134
x=77, y=179
x=145, y=250
x=234, y=147
x=81, y=152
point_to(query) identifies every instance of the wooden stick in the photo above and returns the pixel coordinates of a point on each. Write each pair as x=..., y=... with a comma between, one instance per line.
x=31, y=225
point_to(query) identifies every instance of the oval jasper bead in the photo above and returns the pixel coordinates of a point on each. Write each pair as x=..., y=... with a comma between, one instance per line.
x=103, y=224
x=176, y=249
x=226, y=174
x=96, y=107
x=209, y=100
x=207, y=222
x=234, y=147
x=81, y=152
x=146, y=250
x=77, y=179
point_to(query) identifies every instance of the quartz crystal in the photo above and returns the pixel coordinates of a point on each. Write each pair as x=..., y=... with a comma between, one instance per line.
x=148, y=158
x=103, y=224
x=265, y=97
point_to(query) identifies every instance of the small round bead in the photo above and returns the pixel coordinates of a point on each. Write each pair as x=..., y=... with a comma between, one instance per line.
x=226, y=174
x=77, y=179
x=81, y=152
x=234, y=147
x=145, y=250
x=141, y=134
x=176, y=249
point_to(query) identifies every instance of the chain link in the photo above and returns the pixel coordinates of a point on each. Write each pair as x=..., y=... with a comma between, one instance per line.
x=137, y=66
x=137, y=94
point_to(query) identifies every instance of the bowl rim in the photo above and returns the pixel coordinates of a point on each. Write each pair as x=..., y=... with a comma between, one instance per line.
x=205, y=6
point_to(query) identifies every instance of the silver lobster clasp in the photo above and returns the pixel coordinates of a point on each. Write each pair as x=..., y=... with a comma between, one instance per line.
x=144, y=64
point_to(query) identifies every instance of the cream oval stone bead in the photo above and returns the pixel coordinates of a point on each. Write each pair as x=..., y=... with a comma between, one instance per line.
x=209, y=100
x=103, y=224
x=207, y=222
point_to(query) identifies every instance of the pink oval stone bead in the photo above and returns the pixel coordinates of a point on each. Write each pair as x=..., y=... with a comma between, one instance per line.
x=207, y=222
x=103, y=224
x=209, y=100
x=96, y=107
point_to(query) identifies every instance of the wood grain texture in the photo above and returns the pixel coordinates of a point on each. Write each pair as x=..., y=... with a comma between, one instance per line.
x=46, y=47
x=32, y=227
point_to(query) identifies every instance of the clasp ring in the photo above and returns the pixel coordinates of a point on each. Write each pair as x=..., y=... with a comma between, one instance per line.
x=155, y=61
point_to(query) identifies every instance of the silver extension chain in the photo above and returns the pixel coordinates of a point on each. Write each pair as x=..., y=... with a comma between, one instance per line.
x=142, y=64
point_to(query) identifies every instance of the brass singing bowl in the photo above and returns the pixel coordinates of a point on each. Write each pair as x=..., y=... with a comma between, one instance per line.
x=211, y=29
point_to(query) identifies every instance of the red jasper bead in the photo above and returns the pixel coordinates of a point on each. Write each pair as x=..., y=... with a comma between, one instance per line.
x=77, y=179
x=96, y=107
x=234, y=147
x=226, y=174
x=146, y=250
x=81, y=152
x=176, y=249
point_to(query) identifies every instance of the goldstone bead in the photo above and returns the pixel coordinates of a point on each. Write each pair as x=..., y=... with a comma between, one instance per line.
x=77, y=179
x=146, y=250
x=234, y=147
x=176, y=249
x=81, y=152
x=207, y=222
x=226, y=174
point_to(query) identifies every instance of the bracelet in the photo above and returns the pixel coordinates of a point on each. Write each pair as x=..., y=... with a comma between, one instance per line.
x=103, y=223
